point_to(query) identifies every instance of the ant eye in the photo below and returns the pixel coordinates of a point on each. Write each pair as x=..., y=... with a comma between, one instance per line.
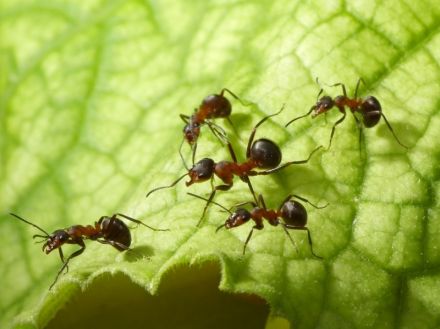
x=63, y=236
x=371, y=111
x=266, y=153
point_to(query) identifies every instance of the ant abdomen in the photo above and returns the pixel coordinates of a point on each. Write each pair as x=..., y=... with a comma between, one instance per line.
x=265, y=153
x=294, y=213
x=113, y=229
x=371, y=111
x=216, y=106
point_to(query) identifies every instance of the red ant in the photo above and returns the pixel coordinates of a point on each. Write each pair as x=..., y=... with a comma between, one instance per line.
x=107, y=230
x=261, y=154
x=212, y=107
x=369, y=108
x=292, y=213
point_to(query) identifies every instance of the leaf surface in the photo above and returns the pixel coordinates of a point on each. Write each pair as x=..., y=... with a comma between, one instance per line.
x=90, y=97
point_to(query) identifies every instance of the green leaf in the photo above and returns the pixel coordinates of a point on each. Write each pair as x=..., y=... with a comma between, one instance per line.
x=90, y=97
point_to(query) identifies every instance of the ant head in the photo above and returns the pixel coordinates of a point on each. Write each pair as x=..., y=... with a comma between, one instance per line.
x=216, y=106
x=265, y=153
x=238, y=217
x=371, y=111
x=324, y=104
x=55, y=240
x=294, y=213
x=201, y=171
x=191, y=132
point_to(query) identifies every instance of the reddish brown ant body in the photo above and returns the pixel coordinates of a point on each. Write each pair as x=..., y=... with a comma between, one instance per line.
x=212, y=107
x=261, y=154
x=107, y=230
x=291, y=214
x=368, y=108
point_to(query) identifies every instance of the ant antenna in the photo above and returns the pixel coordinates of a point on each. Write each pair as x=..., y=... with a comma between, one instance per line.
x=217, y=204
x=32, y=224
x=302, y=116
x=218, y=228
x=181, y=155
x=167, y=186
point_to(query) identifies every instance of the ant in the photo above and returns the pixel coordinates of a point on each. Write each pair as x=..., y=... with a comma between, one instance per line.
x=212, y=107
x=292, y=213
x=369, y=108
x=107, y=230
x=261, y=154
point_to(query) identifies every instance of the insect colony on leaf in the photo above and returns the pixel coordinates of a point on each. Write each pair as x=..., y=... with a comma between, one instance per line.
x=263, y=157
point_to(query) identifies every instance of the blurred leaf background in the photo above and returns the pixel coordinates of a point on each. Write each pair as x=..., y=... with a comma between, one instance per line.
x=90, y=97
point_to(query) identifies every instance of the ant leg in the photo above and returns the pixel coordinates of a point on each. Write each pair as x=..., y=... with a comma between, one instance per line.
x=114, y=244
x=60, y=250
x=167, y=186
x=235, y=96
x=65, y=265
x=344, y=92
x=287, y=226
x=357, y=87
x=211, y=197
x=303, y=199
x=184, y=117
x=270, y=171
x=181, y=155
x=248, y=181
x=251, y=137
x=232, y=153
x=232, y=125
x=139, y=222
x=261, y=201
x=334, y=127
x=359, y=125
x=301, y=116
x=218, y=132
x=290, y=237
x=248, y=238
x=392, y=131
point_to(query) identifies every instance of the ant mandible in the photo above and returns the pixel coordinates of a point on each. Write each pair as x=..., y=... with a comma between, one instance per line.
x=369, y=108
x=107, y=230
x=261, y=154
x=291, y=212
x=212, y=107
